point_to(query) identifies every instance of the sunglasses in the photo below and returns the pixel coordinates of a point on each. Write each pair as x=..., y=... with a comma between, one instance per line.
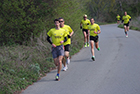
x=61, y=21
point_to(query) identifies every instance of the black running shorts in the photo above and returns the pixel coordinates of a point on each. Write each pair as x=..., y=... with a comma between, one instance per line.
x=67, y=47
x=95, y=39
x=126, y=24
x=85, y=30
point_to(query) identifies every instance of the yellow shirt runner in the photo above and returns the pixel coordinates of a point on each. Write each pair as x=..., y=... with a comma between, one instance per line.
x=93, y=28
x=85, y=23
x=118, y=18
x=126, y=19
x=57, y=35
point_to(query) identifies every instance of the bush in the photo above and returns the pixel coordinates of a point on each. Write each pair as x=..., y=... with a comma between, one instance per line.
x=19, y=19
x=134, y=28
x=120, y=25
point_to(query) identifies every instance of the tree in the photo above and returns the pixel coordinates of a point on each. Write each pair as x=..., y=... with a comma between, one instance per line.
x=101, y=7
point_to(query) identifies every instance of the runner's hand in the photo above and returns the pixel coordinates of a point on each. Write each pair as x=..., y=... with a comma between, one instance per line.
x=95, y=32
x=61, y=42
x=53, y=45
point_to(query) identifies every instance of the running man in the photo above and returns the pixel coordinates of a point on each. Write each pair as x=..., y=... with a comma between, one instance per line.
x=58, y=37
x=94, y=38
x=126, y=20
x=118, y=18
x=84, y=26
x=66, y=44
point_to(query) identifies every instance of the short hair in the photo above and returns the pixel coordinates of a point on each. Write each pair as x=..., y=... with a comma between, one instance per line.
x=61, y=18
x=91, y=18
x=56, y=20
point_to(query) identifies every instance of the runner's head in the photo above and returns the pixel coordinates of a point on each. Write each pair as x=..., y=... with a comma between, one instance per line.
x=125, y=13
x=85, y=17
x=61, y=20
x=92, y=20
x=56, y=22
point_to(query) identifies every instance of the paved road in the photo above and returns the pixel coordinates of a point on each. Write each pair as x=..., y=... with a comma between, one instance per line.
x=115, y=71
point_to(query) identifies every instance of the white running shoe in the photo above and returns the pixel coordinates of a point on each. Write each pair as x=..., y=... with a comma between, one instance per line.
x=126, y=35
x=68, y=61
x=65, y=68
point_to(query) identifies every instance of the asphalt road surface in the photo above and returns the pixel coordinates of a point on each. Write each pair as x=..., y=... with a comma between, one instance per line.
x=116, y=69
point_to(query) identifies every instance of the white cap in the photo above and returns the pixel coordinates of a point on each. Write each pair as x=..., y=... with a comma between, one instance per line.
x=85, y=15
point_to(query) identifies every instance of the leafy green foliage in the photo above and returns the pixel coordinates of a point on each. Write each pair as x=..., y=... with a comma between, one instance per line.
x=19, y=19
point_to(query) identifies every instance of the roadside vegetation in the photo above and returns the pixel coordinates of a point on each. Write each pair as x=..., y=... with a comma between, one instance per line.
x=25, y=55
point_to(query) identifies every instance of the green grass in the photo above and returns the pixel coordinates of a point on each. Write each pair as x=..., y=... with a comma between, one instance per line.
x=134, y=28
x=21, y=66
x=120, y=26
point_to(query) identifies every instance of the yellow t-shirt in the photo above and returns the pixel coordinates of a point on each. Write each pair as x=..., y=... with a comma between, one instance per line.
x=118, y=17
x=68, y=30
x=126, y=19
x=85, y=23
x=95, y=27
x=57, y=35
